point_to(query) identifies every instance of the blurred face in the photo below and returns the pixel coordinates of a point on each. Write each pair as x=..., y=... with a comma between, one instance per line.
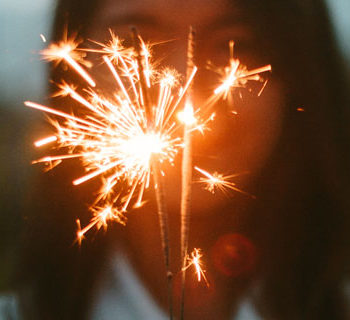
x=242, y=136
x=246, y=127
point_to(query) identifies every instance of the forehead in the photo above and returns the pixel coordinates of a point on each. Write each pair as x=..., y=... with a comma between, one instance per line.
x=170, y=14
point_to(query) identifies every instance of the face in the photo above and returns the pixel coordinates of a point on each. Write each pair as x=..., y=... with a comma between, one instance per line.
x=246, y=127
x=245, y=130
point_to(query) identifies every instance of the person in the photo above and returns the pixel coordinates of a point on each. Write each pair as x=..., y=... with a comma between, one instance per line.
x=287, y=250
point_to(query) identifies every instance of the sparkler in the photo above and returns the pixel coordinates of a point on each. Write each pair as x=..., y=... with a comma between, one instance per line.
x=117, y=138
x=125, y=138
x=189, y=121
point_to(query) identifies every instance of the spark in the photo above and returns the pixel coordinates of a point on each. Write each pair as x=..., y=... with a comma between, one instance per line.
x=42, y=37
x=219, y=181
x=235, y=75
x=45, y=141
x=114, y=49
x=114, y=138
x=194, y=259
x=66, y=50
x=101, y=216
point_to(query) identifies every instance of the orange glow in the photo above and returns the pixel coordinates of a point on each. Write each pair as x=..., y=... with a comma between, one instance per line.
x=187, y=115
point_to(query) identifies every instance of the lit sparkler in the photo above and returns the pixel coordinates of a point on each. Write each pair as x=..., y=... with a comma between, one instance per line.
x=115, y=138
x=126, y=137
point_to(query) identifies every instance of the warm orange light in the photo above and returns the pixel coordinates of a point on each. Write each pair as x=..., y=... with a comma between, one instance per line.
x=186, y=116
x=113, y=137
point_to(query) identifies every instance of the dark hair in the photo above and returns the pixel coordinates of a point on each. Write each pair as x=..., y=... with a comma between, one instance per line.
x=306, y=183
x=302, y=190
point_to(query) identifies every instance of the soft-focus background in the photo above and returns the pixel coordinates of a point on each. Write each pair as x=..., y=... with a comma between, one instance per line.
x=22, y=77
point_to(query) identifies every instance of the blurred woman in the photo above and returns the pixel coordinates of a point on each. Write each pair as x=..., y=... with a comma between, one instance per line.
x=285, y=252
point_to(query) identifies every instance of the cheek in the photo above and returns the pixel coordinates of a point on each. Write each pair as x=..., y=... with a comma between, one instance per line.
x=244, y=132
x=237, y=143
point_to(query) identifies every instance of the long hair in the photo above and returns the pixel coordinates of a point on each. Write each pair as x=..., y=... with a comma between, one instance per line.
x=302, y=190
x=305, y=184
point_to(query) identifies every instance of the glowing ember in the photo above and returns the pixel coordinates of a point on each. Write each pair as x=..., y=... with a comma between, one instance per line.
x=194, y=259
x=235, y=75
x=219, y=181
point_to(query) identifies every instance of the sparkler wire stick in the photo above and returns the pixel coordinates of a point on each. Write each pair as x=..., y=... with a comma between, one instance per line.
x=157, y=179
x=186, y=173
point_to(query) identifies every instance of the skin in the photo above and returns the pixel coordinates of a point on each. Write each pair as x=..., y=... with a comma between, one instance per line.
x=235, y=144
